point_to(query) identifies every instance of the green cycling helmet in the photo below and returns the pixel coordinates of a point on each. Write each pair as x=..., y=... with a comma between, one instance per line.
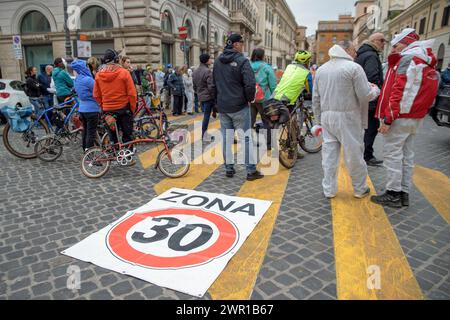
x=303, y=56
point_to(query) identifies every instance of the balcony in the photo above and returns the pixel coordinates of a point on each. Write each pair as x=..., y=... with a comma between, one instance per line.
x=238, y=17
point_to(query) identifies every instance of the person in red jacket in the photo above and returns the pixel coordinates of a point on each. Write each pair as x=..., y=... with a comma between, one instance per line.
x=115, y=92
x=408, y=92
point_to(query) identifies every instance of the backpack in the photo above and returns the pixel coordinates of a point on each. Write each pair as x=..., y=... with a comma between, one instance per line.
x=260, y=94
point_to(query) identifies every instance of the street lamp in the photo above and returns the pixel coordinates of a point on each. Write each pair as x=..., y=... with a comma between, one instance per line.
x=67, y=31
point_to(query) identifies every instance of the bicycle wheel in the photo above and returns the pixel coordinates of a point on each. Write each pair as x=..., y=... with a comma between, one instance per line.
x=287, y=146
x=95, y=163
x=307, y=140
x=48, y=148
x=175, y=168
x=21, y=144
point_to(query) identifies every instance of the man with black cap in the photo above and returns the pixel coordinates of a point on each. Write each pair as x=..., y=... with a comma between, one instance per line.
x=204, y=86
x=115, y=92
x=235, y=85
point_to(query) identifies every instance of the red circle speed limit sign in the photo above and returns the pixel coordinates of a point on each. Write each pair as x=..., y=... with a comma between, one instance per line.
x=172, y=238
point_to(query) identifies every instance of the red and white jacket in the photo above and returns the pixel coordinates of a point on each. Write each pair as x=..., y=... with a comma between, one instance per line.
x=411, y=83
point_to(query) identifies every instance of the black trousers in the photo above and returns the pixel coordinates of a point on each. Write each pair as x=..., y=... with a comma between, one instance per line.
x=370, y=135
x=124, y=118
x=90, y=123
x=258, y=108
x=178, y=104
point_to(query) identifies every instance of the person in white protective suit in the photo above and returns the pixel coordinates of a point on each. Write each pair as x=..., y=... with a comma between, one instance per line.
x=189, y=91
x=341, y=97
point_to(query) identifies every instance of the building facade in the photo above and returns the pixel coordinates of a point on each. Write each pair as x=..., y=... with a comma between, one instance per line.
x=301, y=42
x=363, y=25
x=329, y=33
x=431, y=19
x=145, y=30
x=277, y=29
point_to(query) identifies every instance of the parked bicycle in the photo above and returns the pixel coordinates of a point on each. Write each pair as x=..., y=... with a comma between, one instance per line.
x=22, y=144
x=171, y=161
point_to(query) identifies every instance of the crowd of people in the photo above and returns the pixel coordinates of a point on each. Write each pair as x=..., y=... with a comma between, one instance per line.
x=352, y=100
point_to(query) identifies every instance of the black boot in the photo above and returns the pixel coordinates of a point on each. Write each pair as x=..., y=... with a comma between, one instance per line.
x=389, y=198
x=405, y=199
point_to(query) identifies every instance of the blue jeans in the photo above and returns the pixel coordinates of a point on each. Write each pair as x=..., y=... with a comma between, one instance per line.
x=38, y=104
x=207, y=107
x=240, y=121
x=48, y=103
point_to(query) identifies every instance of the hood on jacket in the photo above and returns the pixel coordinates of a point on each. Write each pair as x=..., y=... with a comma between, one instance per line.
x=367, y=46
x=228, y=56
x=337, y=52
x=81, y=68
x=422, y=50
x=109, y=72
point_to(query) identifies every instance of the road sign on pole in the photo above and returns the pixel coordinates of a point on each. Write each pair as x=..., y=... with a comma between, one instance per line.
x=183, y=32
x=17, y=47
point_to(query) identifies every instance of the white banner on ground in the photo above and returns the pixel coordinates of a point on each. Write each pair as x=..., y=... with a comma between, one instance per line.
x=181, y=240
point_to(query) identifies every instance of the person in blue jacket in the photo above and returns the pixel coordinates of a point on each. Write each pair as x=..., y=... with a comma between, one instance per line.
x=445, y=76
x=89, y=109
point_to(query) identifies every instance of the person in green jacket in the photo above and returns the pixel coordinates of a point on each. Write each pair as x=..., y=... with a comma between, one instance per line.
x=267, y=80
x=63, y=81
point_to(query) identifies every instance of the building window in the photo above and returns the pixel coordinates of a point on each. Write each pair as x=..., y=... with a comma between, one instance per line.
x=434, y=21
x=188, y=25
x=365, y=10
x=203, y=34
x=440, y=57
x=96, y=17
x=422, y=26
x=34, y=22
x=334, y=39
x=166, y=54
x=166, y=22
x=415, y=25
x=216, y=38
x=445, y=16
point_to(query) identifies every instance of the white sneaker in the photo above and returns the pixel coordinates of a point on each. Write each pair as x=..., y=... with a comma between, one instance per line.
x=330, y=196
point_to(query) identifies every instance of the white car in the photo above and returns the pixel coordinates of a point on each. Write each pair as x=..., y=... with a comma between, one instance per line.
x=12, y=94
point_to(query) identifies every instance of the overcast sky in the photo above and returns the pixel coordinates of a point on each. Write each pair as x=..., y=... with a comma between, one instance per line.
x=309, y=12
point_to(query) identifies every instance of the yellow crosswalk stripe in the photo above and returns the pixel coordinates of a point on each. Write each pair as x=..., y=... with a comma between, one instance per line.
x=148, y=158
x=367, y=251
x=435, y=186
x=197, y=173
x=238, y=279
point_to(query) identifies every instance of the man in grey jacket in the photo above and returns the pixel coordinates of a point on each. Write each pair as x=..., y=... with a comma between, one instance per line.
x=235, y=85
x=204, y=87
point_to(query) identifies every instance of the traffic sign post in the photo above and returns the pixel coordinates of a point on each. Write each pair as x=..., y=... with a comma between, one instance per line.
x=17, y=47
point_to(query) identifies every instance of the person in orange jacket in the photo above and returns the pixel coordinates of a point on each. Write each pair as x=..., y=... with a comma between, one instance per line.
x=115, y=92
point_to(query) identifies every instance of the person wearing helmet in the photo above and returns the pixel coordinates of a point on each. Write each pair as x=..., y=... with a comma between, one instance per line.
x=296, y=78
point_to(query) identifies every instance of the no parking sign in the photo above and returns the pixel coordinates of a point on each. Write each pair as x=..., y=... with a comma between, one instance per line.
x=181, y=240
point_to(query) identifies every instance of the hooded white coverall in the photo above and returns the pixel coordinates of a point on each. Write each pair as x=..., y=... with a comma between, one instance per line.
x=189, y=90
x=341, y=98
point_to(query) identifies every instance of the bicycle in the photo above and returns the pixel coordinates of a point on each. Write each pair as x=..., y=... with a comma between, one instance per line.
x=22, y=144
x=97, y=160
x=294, y=132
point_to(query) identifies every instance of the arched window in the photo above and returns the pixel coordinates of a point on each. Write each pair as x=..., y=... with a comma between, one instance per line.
x=188, y=25
x=96, y=17
x=166, y=22
x=203, y=34
x=34, y=22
